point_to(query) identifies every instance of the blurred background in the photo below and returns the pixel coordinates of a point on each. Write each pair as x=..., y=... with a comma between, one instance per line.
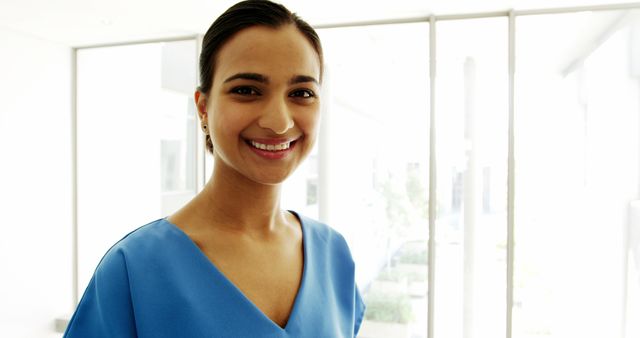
x=482, y=158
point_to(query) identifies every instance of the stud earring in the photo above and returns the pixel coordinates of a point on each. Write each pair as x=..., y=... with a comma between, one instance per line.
x=204, y=129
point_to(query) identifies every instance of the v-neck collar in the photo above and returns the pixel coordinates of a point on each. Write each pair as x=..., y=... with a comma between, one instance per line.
x=220, y=276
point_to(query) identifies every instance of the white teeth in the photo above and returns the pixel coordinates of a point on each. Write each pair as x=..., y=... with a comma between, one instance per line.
x=271, y=147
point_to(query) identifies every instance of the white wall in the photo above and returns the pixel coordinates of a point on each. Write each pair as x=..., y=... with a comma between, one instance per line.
x=35, y=181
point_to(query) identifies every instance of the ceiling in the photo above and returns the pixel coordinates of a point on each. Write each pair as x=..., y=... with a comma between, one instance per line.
x=92, y=22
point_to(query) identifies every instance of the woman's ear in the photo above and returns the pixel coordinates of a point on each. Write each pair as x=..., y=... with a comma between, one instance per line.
x=201, y=104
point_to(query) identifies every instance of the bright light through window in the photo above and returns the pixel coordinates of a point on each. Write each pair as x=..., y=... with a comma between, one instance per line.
x=577, y=139
x=378, y=153
x=471, y=218
x=136, y=141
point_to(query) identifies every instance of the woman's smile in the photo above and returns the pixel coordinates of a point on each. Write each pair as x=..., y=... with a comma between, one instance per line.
x=272, y=149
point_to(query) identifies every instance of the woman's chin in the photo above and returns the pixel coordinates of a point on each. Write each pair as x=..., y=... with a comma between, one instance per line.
x=270, y=179
x=271, y=173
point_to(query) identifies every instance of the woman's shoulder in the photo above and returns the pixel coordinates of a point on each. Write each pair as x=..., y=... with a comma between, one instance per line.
x=320, y=237
x=145, y=242
x=319, y=230
x=152, y=233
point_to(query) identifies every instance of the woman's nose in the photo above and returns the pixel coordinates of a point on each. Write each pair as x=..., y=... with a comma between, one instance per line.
x=276, y=117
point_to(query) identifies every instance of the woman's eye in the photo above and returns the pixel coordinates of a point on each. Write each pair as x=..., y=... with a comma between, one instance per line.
x=245, y=91
x=302, y=93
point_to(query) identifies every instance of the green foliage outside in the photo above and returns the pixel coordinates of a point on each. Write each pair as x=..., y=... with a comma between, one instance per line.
x=409, y=265
x=390, y=308
x=406, y=208
x=413, y=257
x=414, y=252
x=417, y=192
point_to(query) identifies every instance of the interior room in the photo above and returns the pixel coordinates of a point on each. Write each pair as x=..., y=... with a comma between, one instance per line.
x=481, y=158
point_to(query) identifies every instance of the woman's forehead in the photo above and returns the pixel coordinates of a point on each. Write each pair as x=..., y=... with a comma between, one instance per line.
x=274, y=52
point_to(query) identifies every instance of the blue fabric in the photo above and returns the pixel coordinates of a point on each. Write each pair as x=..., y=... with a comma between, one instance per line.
x=157, y=283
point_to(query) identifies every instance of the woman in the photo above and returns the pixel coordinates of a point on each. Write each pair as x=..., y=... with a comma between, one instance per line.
x=231, y=263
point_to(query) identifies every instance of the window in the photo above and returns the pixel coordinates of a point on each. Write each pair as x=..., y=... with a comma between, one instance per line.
x=136, y=140
x=471, y=218
x=378, y=158
x=577, y=180
x=578, y=147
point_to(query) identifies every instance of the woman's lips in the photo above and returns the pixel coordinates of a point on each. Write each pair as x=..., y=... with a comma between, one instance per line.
x=272, y=149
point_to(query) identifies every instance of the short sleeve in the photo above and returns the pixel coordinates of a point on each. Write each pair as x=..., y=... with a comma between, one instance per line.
x=106, y=308
x=360, y=308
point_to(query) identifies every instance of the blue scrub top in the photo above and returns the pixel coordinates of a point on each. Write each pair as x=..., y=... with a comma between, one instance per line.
x=156, y=282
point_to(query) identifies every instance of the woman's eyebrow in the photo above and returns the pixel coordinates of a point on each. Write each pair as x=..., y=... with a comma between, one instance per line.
x=248, y=76
x=302, y=79
x=264, y=79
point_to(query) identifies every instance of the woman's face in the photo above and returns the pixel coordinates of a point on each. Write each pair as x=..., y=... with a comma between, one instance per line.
x=263, y=108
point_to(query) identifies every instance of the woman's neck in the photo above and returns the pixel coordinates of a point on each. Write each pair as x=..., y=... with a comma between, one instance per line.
x=237, y=203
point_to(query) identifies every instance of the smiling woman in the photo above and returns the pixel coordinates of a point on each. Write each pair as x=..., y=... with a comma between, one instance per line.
x=231, y=263
x=262, y=92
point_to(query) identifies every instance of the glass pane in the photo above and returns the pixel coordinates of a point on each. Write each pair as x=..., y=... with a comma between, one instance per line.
x=472, y=145
x=577, y=153
x=300, y=191
x=377, y=169
x=136, y=141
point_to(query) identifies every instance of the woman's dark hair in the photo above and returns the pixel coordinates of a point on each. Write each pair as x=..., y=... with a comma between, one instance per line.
x=243, y=15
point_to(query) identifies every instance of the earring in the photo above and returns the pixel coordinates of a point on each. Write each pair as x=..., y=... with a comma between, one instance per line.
x=204, y=129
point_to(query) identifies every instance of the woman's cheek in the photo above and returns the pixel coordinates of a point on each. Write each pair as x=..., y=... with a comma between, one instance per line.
x=311, y=122
x=228, y=123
